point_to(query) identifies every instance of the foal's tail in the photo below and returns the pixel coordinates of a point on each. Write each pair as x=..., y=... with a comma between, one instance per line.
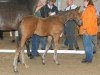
x=19, y=34
x=19, y=39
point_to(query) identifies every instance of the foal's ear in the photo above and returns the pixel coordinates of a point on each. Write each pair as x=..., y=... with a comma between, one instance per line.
x=78, y=8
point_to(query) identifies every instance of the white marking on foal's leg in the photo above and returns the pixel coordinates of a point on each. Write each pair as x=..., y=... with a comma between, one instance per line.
x=15, y=61
x=23, y=59
x=48, y=45
x=55, y=57
x=43, y=57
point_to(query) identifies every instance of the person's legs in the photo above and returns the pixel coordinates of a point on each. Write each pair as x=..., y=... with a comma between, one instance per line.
x=66, y=42
x=28, y=48
x=69, y=31
x=87, y=42
x=44, y=42
x=75, y=42
x=94, y=41
x=35, y=44
x=70, y=41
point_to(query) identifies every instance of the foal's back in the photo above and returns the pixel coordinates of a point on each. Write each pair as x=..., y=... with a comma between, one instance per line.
x=49, y=26
x=42, y=26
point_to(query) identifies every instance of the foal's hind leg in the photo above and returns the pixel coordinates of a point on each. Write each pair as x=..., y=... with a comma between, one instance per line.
x=20, y=51
x=48, y=45
x=56, y=39
x=23, y=58
x=15, y=60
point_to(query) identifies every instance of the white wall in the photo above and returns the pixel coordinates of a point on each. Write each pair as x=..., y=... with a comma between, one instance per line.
x=97, y=3
x=76, y=2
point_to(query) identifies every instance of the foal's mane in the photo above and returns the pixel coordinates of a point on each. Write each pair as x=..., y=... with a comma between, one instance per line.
x=61, y=14
x=68, y=11
x=65, y=12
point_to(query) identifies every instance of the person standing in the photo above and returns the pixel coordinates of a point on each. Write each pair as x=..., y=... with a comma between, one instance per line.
x=89, y=30
x=98, y=14
x=69, y=29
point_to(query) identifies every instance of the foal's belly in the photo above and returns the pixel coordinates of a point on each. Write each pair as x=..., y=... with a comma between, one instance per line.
x=47, y=31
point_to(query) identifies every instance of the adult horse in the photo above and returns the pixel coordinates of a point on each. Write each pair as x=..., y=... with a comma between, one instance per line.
x=12, y=11
x=51, y=26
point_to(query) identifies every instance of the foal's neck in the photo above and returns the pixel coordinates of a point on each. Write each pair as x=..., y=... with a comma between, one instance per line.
x=64, y=18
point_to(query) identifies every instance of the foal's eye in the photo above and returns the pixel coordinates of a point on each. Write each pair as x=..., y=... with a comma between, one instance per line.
x=71, y=14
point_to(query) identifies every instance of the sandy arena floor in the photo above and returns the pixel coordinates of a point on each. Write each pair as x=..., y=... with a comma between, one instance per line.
x=70, y=64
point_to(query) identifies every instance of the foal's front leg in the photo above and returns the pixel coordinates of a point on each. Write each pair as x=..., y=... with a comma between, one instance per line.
x=56, y=39
x=43, y=56
x=48, y=45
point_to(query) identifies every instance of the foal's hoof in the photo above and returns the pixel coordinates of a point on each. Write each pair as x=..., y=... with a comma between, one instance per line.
x=56, y=62
x=29, y=55
x=26, y=66
x=15, y=70
x=43, y=63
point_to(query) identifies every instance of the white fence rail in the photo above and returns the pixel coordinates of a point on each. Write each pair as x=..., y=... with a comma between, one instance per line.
x=50, y=51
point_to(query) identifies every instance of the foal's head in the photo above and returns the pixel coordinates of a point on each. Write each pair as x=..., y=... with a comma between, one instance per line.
x=70, y=15
x=75, y=14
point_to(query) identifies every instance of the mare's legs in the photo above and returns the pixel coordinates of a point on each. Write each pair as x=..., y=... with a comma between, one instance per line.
x=48, y=45
x=56, y=38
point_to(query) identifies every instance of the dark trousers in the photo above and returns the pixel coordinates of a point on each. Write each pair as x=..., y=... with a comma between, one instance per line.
x=72, y=42
x=89, y=46
x=35, y=44
x=69, y=31
x=44, y=42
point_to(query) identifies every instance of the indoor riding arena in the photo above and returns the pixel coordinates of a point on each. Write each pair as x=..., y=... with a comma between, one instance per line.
x=70, y=61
